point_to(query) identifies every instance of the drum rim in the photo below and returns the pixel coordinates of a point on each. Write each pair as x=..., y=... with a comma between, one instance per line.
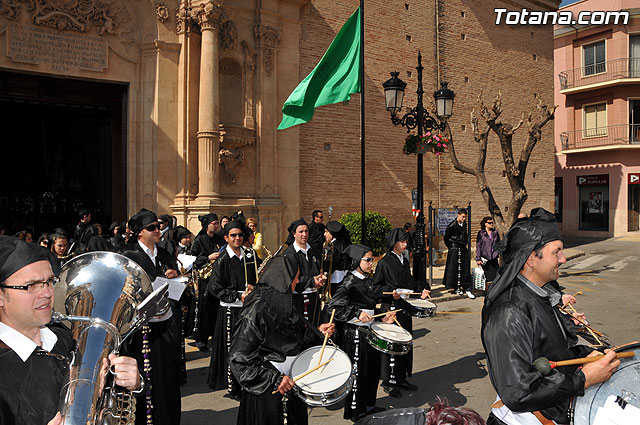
x=390, y=340
x=420, y=301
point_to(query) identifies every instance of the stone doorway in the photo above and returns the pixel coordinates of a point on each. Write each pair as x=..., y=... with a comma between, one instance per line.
x=64, y=149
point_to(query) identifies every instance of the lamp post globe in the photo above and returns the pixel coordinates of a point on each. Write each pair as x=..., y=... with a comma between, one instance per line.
x=444, y=101
x=394, y=93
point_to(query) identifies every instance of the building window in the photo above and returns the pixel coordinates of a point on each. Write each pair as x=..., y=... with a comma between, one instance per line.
x=558, y=199
x=595, y=120
x=593, y=196
x=594, y=58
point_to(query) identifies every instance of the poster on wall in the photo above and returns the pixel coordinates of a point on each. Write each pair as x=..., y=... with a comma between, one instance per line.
x=595, y=203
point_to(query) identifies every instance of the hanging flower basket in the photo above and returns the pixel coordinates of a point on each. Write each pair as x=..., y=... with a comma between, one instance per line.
x=430, y=142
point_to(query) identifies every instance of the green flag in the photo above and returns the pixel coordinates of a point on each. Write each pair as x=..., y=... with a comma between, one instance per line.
x=333, y=80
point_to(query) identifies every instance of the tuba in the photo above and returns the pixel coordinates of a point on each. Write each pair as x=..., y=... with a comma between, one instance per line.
x=106, y=297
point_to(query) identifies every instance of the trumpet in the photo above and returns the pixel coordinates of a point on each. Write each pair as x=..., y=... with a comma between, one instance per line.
x=205, y=272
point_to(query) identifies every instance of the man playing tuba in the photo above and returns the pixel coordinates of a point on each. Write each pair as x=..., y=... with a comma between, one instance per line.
x=33, y=355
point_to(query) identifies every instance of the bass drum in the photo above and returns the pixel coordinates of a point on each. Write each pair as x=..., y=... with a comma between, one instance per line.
x=627, y=378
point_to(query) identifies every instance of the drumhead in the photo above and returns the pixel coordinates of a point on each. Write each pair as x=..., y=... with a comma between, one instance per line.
x=326, y=379
x=391, y=332
x=626, y=377
x=417, y=302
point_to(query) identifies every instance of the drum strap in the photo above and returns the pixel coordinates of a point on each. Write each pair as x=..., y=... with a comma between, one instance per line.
x=544, y=421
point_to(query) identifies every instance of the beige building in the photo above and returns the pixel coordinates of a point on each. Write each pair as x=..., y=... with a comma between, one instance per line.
x=116, y=105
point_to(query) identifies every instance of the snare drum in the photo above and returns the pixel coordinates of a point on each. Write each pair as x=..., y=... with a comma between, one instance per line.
x=327, y=385
x=389, y=338
x=626, y=377
x=422, y=308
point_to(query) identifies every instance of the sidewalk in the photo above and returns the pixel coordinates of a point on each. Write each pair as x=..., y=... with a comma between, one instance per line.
x=441, y=294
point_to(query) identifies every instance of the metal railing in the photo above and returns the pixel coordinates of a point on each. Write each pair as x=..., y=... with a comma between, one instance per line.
x=600, y=72
x=624, y=134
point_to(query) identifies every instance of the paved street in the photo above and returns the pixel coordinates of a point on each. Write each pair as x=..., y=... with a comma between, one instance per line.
x=448, y=357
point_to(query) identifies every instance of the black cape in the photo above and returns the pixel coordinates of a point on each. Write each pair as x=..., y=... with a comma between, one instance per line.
x=456, y=272
x=30, y=391
x=353, y=295
x=270, y=330
x=166, y=351
x=309, y=266
x=518, y=327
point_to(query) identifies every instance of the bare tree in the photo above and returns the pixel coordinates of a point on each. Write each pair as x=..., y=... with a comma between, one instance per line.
x=515, y=172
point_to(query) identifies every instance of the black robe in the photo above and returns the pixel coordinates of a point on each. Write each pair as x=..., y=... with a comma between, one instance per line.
x=353, y=295
x=167, y=243
x=203, y=246
x=456, y=272
x=518, y=327
x=30, y=391
x=167, y=356
x=391, y=274
x=316, y=235
x=227, y=278
x=307, y=304
x=270, y=330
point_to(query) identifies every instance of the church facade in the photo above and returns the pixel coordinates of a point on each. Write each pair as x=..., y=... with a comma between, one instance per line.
x=173, y=105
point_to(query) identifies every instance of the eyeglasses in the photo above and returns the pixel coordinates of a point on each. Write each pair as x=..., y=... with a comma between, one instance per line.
x=34, y=287
x=151, y=227
x=367, y=259
x=489, y=222
x=236, y=235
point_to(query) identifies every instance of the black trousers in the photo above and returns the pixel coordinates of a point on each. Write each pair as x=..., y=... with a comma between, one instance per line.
x=493, y=420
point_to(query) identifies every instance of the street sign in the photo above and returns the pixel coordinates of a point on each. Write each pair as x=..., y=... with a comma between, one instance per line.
x=593, y=180
x=634, y=178
x=444, y=216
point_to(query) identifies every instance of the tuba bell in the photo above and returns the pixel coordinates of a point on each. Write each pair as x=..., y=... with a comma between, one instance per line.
x=106, y=297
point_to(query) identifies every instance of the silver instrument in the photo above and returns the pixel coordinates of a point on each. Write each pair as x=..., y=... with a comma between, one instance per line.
x=106, y=297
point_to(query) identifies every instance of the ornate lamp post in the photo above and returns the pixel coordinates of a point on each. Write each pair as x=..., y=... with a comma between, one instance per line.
x=418, y=118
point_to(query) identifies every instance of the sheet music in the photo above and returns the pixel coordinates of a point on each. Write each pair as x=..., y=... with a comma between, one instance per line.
x=612, y=414
x=186, y=261
x=176, y=285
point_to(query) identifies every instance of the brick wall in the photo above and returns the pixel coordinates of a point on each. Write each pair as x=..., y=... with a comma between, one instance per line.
x=487, y=59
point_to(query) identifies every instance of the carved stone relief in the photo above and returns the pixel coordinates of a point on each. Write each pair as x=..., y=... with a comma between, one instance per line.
x=269, y=38
x=185, y=20
x=233, y=140
x=105, y=16
x=162, y=12
x=249, y=76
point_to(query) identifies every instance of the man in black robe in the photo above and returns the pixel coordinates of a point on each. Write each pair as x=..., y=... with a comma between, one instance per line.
x=305, y=296
x=83, y=232
x=336, y=262
x=33, y=355
x=163, y=334
x=231, y=280
x=520, y=323
x=166, y=233
x=207, y=248
x=393, y=274
x=456, y=273
x=316, y=230
x=270, y=332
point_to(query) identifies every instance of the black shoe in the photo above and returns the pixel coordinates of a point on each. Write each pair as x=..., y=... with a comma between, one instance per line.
x=232, y=396
x=407, y=386
x=392, y=391
x=376, y=409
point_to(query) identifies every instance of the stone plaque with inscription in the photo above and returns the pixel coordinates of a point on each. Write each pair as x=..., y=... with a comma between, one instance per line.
x=62, y=51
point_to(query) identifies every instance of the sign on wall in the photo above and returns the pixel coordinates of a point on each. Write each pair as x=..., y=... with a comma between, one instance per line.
x=634, y=178
x=444, y=216
x=593, y=180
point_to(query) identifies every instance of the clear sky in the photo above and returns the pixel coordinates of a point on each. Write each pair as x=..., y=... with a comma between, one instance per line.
x=566, y=2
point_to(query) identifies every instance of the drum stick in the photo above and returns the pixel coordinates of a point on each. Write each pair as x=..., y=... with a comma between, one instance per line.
x=545, y=365
x=381, y=314
x=326, y=337
x=589, y=328
x=308, y=372
x=403, y=293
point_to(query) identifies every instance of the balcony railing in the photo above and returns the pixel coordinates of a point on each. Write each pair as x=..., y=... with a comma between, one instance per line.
x=625, y=134
x=600, y=73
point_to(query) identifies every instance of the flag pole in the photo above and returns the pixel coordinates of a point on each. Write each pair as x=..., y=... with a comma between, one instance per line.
x=363, y=226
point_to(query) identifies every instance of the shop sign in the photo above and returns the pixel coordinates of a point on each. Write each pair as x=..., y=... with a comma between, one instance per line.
x=634, y=178
x=593, y=180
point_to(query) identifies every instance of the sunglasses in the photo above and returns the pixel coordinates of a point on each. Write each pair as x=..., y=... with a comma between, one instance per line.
x=151, y=227
x=367, y=259
x=489, y=222
x=236, y=235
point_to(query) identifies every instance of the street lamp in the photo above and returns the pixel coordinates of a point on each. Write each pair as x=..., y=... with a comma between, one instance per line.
x=419, y=118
